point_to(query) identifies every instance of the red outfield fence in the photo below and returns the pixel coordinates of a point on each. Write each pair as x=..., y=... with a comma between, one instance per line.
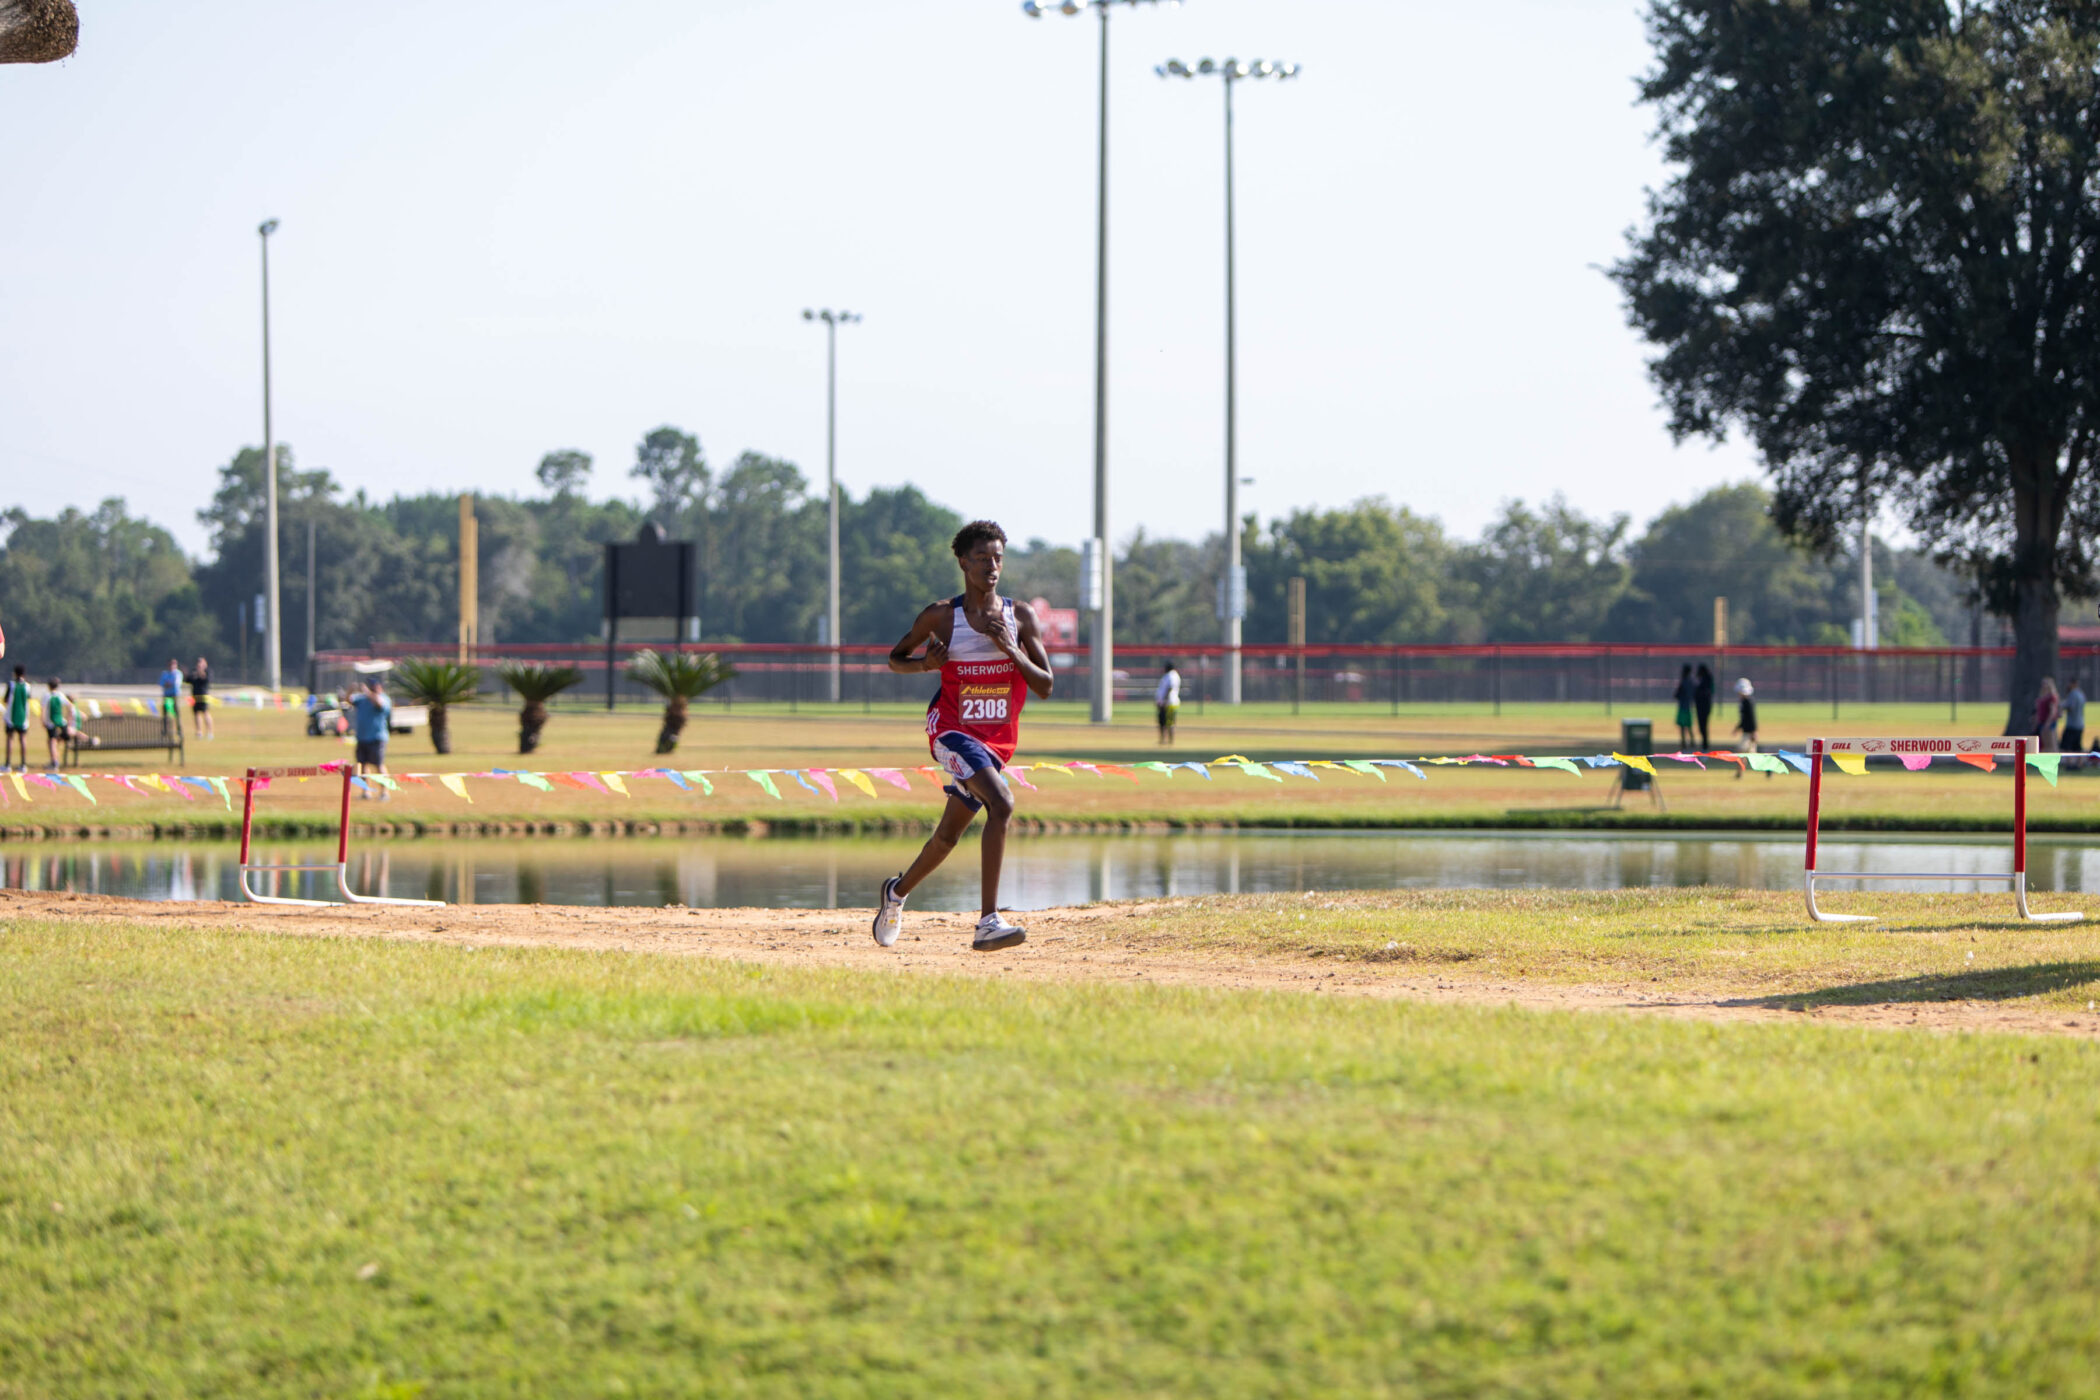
x=1612, y=677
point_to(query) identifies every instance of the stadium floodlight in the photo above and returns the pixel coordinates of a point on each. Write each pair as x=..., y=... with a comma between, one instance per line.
x=1233, y=72
x=832, y=321
x=1102, y=659
x=273, y=660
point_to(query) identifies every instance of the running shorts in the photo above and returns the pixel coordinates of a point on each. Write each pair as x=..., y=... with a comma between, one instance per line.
x=963, y=757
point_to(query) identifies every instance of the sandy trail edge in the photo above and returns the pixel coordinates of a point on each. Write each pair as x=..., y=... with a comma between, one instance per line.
x=1064, y=945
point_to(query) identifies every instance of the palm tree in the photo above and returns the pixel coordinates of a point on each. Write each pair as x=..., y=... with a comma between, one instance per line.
x=535, y=685
x=440, y=685
x=678, y=678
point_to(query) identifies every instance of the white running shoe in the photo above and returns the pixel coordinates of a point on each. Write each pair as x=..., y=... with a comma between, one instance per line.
x=890, y=917
x=994, y=933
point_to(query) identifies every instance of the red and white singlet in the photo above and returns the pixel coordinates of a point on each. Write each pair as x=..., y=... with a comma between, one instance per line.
x=982, y=691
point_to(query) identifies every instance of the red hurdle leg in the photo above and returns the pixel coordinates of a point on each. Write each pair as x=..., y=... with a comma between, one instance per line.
x=247, y=812
x=342, y=832
x=2019, y=806
x=1815, y=798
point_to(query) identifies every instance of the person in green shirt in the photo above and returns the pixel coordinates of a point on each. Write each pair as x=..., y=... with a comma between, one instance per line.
x=17, y=716
x=61, y=720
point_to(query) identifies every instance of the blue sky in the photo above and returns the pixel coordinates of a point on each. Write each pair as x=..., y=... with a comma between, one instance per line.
x=510, y=227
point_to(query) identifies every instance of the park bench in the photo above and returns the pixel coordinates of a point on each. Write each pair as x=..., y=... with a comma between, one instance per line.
x=101, y=733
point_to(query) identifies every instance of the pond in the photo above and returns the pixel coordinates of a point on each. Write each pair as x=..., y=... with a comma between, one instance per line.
x=1041, y=871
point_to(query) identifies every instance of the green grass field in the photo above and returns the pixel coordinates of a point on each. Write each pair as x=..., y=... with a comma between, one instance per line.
x=581, y=737
x=242, y=1164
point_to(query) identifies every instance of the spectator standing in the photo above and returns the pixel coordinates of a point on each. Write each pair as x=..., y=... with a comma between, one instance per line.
x=2046, y=710
x=1703, y=704
x=171, y=694
x=200, y=699
x=61, y=721
x=1746, y=719
x=18, y=699
x=1685, y=691
x=374, y=713
x=2074, y=721
x=1166, y=701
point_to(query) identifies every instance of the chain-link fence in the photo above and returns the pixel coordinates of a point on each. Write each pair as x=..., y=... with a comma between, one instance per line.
x=1392, y=677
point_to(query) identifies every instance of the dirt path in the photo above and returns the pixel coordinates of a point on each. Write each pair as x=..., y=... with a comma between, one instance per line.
x=1064, y=945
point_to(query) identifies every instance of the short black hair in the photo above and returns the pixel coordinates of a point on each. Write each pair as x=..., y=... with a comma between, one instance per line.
x=21, y=671
x=975, y=533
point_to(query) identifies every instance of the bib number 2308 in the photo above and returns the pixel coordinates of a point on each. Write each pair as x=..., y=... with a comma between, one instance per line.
x=992, y=709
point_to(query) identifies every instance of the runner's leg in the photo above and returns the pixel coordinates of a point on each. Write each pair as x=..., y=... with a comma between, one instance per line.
x=955, y=819
x=990, y=788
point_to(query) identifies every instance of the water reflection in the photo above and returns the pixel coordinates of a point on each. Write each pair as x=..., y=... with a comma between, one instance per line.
x=1041, y=870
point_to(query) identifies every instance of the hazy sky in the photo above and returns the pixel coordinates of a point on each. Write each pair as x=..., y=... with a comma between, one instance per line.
x=517, y=225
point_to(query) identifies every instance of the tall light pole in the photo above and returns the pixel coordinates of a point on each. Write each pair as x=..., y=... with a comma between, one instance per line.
x=274, y=661
x=832, y=321
x=1233, y=593
x=1104, y=648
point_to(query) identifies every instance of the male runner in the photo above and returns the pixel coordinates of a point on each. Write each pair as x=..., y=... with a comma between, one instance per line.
x=989, y=651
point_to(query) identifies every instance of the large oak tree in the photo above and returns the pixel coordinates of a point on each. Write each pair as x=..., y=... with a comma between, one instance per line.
x=1877, y=257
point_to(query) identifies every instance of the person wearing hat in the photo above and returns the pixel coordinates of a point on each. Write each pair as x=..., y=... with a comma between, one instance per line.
x=1746, y=718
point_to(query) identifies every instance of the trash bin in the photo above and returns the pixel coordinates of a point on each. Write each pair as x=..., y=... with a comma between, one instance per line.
x=1636, y=736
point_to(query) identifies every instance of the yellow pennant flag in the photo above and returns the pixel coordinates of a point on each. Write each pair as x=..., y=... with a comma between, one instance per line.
x=858, y=779
x=456, y=784
x=615, y=782
x=21, y=788
x=1634, y=760
x=1853, y=763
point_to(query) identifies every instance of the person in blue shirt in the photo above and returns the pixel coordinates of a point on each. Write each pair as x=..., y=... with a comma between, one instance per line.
x=373, y=713
x=2074, y=722
x=171, y=692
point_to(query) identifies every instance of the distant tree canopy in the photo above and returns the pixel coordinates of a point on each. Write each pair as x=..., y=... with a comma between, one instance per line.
x=107, y=593
x=1879, y=256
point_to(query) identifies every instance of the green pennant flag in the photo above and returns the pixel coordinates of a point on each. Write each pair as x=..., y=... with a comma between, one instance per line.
x=707, y=789
x=765, y=780
x=1257, y=770
x=1357, y=765
x=1566, y=765
x=1767, y=763
x=80, y=785
x=2046, y=764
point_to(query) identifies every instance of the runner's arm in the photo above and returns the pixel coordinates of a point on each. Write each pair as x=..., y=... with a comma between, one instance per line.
x=925, y=630
x=1027, y=651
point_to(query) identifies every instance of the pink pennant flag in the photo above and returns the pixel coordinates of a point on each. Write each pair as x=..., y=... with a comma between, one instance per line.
x=822, y=778
x=1082, y=767
x=1019, y=775
x=589, y=780
x=1915, y=761
x=890, y=776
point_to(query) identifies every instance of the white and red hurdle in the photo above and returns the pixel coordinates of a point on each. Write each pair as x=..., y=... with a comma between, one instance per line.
x=341, y=865
x=2016, y=748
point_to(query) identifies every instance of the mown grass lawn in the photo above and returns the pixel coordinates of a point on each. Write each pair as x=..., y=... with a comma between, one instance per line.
x=249, y=1165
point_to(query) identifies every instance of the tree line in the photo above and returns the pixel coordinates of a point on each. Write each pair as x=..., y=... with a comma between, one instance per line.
x=106, y=594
